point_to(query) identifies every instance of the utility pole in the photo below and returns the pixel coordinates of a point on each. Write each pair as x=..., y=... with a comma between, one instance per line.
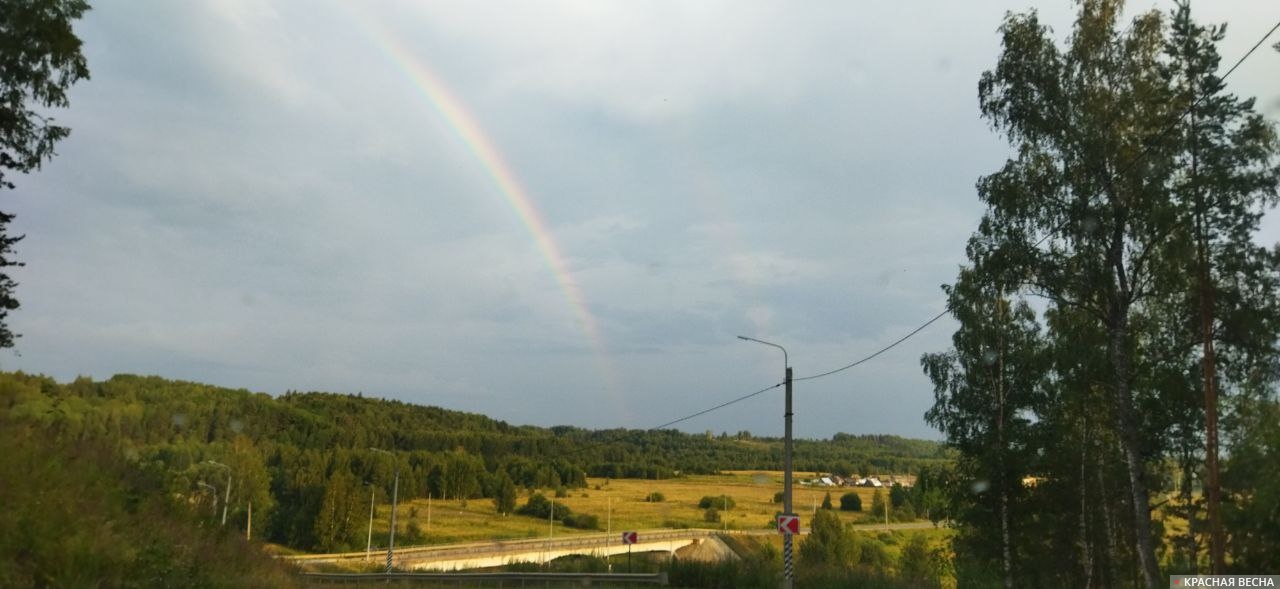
x=368, y=543
x=391, y=542
x=608, y=535
x=395, y=493
x=788, y=573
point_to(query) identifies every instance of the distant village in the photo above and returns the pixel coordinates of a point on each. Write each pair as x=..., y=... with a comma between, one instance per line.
x=836, y=480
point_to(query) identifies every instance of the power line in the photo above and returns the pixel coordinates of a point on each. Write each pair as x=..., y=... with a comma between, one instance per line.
x=1250, y=51
x=878, y=352
x=917, y=330
x=1141, y=154
x=720, y=406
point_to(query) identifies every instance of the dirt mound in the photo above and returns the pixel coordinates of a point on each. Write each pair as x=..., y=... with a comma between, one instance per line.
x=707, y=550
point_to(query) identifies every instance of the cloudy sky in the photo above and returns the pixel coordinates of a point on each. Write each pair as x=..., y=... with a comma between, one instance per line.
x=547, y=212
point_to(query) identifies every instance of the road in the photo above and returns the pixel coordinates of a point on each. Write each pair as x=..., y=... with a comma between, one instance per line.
x=496, y=553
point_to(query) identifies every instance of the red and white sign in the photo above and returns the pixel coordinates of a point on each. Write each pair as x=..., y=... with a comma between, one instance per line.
x=789, y=524
x=628, y=537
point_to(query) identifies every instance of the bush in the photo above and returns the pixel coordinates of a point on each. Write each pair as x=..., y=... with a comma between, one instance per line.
x=540, y=507
x=711, y=515
x=582, y=521
x=718, y=502
x=413, y=533
x=826, y=501
x=778, y=497
x=561, y=492
x=655, y=497
x=850, y=502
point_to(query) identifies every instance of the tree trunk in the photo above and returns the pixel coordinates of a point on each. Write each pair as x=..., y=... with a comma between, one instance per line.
x=1212, y=489
x=1006, y=549
x=1127, y=430
x=1188, y=502
x=1105, y=503
x=1086, y=560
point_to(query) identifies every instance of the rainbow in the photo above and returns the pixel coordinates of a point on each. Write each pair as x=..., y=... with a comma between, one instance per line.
x=468, y=130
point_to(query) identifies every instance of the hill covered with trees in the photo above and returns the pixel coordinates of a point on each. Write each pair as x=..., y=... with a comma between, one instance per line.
x=301, y=459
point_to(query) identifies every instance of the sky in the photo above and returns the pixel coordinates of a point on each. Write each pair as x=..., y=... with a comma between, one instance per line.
x=546, y=212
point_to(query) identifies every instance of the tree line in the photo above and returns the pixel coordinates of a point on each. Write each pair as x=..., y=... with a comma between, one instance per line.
x=306, y=463
x=1118, y=322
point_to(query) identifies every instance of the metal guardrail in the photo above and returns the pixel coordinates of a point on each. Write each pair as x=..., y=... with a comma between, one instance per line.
x=447, y=551
x=500, y=578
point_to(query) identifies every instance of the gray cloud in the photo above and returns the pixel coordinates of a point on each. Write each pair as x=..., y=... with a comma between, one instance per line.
x=258, y=195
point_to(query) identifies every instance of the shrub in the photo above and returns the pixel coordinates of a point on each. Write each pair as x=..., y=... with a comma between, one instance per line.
x=718, y=502
x=540, y=507
x=850, y=502
x=582, y=521
x=655, y=497
x=778, y=497
x=711, y=515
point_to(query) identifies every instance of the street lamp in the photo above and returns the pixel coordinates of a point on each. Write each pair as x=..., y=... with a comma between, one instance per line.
x=395, y=491
x=213, y=491
x=369, y=542
x=788, y=573
x=228, y=499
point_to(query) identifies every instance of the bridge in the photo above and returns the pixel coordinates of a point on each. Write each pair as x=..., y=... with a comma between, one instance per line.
x=537, y=550
x=453, y=557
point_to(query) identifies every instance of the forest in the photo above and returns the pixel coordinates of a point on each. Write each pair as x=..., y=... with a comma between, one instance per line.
x=302, y=459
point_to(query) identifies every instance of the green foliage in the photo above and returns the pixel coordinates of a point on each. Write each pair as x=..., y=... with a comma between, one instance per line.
x=303, y=459
x=655, y=497
x=711, y=515
x=826, y=501
x=337, y=523
x=582, y=521
x=83, y=514
x=540, y=507
x=1250, y=481
x=829, y=543
x=1128, y=208
x=760, y=568
x=722, y=502
x=850, y=502
x=40, y=59
x=504, y=495
x=877, y=504
x=779, y=497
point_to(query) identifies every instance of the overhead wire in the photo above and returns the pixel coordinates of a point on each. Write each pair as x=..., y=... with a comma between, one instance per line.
x=1141, y=154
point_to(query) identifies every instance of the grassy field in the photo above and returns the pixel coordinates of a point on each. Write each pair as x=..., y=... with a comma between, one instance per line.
x=619, y=501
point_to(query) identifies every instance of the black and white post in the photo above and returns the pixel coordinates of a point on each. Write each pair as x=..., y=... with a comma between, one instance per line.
x=788, y=580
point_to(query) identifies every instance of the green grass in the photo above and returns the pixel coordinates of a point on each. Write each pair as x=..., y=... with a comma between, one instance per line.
x=619, y=501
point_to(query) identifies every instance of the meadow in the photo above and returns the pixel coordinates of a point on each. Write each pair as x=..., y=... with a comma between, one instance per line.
x=620, y=504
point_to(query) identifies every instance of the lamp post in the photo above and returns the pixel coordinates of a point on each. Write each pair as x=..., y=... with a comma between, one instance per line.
x=788, y=579
x=368, y=545
x=227, y=501
x=395, y=492
x=213, y=491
